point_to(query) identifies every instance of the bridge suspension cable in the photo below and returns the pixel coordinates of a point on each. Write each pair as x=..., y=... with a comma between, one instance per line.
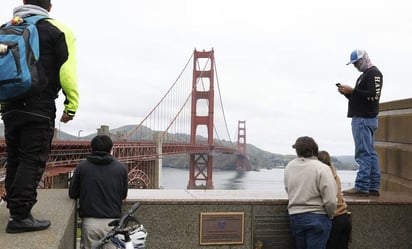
x=171, y=115
x=221, y=104
x=220, y=100
x=156, y=112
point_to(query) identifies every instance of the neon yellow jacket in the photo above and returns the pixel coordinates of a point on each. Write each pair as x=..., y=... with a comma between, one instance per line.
x=68, y=71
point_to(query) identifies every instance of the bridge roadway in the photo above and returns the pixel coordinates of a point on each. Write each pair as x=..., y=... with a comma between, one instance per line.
x=65, y=155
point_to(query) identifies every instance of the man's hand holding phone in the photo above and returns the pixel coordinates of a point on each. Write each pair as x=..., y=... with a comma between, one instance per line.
x=344, y=89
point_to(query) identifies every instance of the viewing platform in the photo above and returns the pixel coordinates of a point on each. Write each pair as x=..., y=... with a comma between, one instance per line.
x=172, y=218
x=175, y=219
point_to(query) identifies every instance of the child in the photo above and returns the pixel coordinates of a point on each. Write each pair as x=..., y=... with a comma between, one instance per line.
x=341, y=224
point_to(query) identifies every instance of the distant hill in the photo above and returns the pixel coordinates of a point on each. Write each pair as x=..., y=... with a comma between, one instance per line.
x=346, y=159
x=258, y=158
x=61, y=135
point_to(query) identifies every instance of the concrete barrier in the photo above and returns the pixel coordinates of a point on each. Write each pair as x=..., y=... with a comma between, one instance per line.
x=53, y=205
x=172, y=218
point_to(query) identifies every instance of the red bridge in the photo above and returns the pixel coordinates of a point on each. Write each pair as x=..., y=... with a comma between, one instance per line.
x=165, y=131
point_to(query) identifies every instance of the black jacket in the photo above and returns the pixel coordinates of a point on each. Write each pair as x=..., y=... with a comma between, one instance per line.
x=364, y=100
x=100, y=183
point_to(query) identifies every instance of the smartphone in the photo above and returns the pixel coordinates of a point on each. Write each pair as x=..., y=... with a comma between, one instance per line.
x=338, y=84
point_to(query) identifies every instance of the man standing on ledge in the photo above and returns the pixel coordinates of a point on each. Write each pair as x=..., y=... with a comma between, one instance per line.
x=363, y=108
x=29, y=123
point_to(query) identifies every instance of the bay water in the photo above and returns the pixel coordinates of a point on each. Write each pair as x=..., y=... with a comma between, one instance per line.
x=264, y=179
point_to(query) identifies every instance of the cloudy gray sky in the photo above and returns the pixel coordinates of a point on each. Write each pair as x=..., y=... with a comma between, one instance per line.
x=277, y=61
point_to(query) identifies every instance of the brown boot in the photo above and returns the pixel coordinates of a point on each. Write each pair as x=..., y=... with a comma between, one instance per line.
x=354, y=192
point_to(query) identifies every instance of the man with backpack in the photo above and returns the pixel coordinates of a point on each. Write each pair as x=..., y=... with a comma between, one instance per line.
x=29, y=121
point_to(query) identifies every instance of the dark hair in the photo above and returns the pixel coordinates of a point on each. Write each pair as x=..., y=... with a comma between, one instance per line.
x=306, y=147
x=45, y=4
x=102, y=143
x=324, y=157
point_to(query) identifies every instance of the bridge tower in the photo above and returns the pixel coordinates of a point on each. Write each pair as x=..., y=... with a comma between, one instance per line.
x=241, y=160
x=201, y=164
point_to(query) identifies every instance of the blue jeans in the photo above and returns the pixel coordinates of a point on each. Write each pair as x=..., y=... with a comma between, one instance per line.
x=369, y=175
x=310, y=231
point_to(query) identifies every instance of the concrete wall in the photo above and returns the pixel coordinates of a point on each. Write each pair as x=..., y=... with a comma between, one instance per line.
x=394, y=145
x=382, y=226
x=172, y=218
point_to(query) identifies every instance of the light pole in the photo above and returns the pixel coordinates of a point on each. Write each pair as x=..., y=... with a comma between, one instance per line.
x=78, y=134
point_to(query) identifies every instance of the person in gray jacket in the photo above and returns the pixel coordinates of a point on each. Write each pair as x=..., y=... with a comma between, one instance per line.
x=311, y=190
x=101, y=184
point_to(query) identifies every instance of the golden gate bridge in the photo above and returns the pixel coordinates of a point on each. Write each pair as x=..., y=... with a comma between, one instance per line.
x=182, y=122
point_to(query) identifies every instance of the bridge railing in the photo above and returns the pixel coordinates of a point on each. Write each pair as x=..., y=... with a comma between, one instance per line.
x=138, y=156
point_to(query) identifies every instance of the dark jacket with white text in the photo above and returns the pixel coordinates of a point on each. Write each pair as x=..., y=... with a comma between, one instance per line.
x=364, y=100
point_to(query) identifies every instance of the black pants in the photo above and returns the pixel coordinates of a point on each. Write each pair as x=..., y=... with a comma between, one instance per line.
x=28, y=139
x=340, y=233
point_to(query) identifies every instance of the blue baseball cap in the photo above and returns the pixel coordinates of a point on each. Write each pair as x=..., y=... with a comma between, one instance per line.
x=356, y=55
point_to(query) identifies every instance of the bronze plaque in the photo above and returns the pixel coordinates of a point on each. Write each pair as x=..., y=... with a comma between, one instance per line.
x=223, y=228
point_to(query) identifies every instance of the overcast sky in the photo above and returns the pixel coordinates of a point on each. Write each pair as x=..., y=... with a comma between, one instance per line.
x=277, y=61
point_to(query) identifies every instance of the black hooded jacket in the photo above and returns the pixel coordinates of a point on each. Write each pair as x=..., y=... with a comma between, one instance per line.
x=100, y=183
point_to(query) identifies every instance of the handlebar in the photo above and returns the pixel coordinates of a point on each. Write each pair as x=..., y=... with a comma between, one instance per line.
x=120, y=228
x=123, y=221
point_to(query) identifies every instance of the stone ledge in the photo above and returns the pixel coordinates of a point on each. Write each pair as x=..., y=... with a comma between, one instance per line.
x=54, y=205
x=218, y=197
x=192, y=197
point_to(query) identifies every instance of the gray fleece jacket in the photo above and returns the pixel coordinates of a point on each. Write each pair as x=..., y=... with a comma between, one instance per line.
x=310, y=186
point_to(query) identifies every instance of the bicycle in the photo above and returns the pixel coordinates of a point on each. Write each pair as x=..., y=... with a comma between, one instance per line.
x=124, y=236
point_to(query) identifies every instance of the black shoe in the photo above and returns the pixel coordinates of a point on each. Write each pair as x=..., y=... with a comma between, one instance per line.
x=29, y=224
x=374, y=192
